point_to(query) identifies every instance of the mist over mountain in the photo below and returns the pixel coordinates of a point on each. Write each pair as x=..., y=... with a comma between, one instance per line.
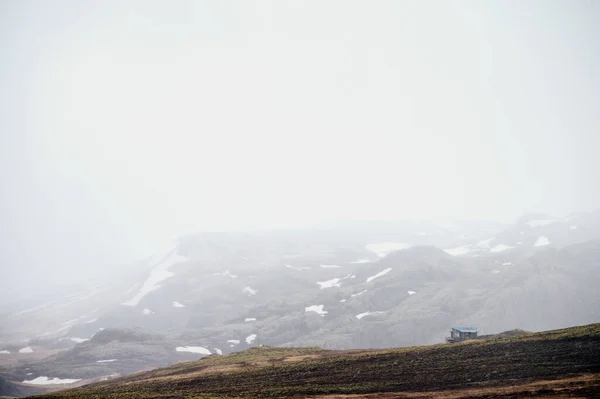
x=127, y=125
x=189, y=179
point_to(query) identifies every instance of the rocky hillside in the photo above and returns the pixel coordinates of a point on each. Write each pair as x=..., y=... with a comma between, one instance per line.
x=370, y=285
x=557, y=364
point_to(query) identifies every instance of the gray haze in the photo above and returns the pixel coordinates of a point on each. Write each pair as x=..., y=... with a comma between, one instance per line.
x=126, y=124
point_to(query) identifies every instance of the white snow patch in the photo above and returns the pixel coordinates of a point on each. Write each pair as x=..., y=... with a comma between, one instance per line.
x=329, y=283
x=317, y=309
x=250, y=319
x=90, y=321
x=542, y=222
x=342, y=300
x=465, y=249
x=61, y=329
x=329, y=266
x=495, y=271
x=4, y=352
x=178, y=305
x=79, y=340
x=46, y=305
x=106, y=361
x=29, y=373
x=411, y=292
x=359, y=293
x=484, y=243
x=500, y=248
x=507, y=264
x=361, y=315
x=384, y=248
x=226, y=273
x=105, y=378
x=68, y=323
x=298, y=268
x=250, y=291
x=573, y=227
x=362, y=260
x=147, y=311
x=193, y=349
x=233, y=341
x=159, y=273
x=48, y=381
x=381, y=273
x=27, y=349
x=218, y=351
x=132, y=288
x=250, y=339
x=541, y=241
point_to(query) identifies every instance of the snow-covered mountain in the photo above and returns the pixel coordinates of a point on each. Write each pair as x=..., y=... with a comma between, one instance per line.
x=347, y=286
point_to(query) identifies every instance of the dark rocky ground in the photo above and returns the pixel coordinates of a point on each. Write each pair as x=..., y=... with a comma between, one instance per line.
x=558, y=363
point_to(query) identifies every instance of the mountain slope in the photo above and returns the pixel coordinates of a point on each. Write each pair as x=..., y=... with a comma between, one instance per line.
x=377, y=286
x=482, y=365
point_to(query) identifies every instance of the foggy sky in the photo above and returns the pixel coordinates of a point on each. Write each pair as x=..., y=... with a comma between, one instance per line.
x=126, y=124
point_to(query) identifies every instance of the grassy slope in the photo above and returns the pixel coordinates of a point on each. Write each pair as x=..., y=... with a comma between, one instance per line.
x=280, y=372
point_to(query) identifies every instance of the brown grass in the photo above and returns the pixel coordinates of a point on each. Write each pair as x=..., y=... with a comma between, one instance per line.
x=301, y=358
x=554, y=364
x=584, y=386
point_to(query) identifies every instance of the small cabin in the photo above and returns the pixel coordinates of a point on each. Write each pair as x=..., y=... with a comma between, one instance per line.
x=458, y=334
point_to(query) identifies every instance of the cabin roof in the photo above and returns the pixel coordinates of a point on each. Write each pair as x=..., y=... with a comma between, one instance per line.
x=466, y=329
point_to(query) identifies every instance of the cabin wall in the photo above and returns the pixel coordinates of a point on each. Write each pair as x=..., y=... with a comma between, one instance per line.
x=462, y=335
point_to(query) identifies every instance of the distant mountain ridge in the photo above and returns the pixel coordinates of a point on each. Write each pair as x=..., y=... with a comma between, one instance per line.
x=370, y=286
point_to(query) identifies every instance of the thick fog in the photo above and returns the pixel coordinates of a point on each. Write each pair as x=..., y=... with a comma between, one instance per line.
x=124, y=125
